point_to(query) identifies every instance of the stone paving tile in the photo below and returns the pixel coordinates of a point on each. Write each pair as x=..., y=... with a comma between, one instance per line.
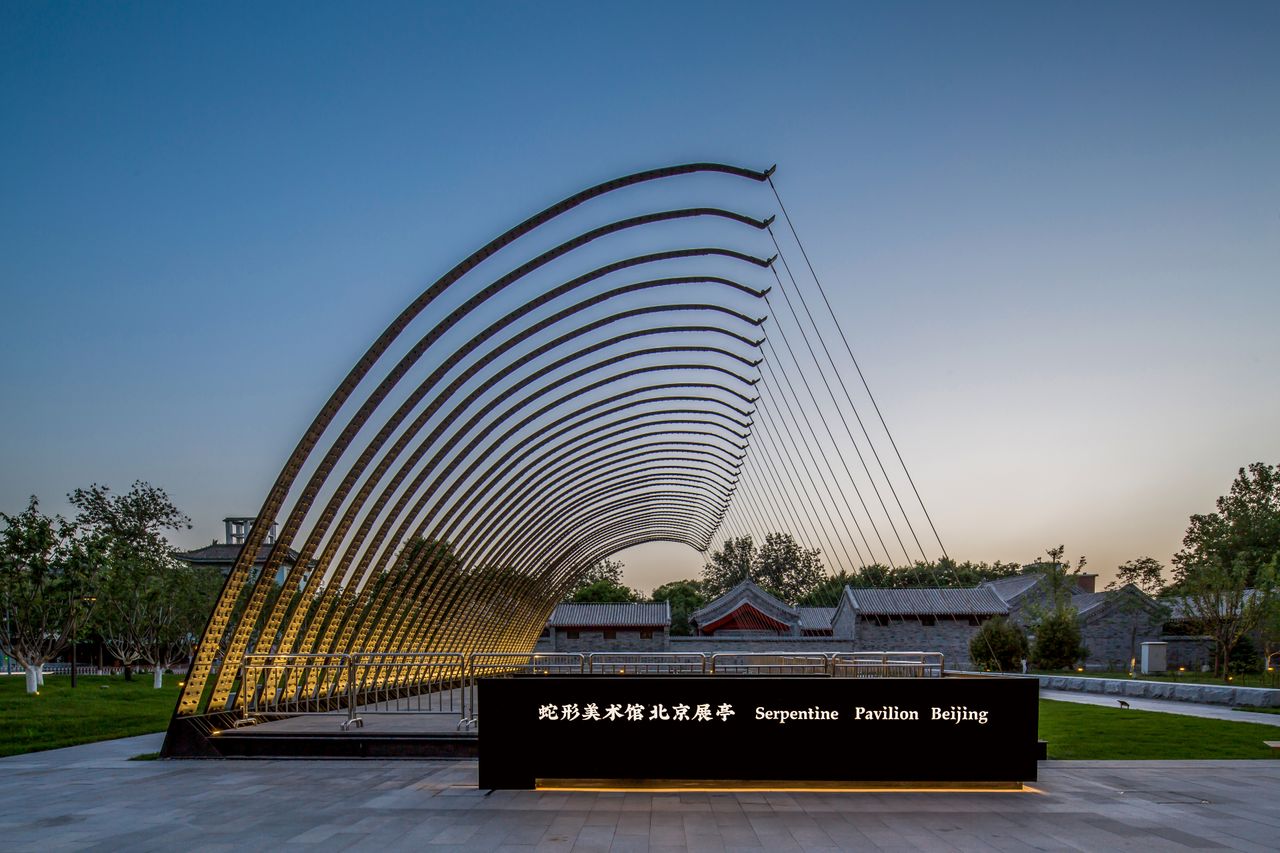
x=94, y=799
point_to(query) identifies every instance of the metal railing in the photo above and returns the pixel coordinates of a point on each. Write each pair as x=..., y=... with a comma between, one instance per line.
x=507, y=664
x=409, y=683
x=358, y=684
x=769, y=663
x=647, y=663
x=887, y=664
x=295, y=684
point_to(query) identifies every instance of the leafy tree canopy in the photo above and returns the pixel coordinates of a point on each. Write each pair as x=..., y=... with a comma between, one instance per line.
x=779, y=565
x=1243, y=533
x=604, y=591
x=1057, y=644
x=1146, y=573
x=685, y=596
x=999, y=645
x=601, y=570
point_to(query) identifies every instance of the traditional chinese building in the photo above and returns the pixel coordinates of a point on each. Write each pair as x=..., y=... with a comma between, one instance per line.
x=223, y=555
x=629, y=627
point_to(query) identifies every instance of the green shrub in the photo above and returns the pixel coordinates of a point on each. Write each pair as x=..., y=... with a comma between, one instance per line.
x=999, y=645
x=1057, y=643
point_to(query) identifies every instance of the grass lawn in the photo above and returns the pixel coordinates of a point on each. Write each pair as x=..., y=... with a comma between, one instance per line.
x=1074, y=730
x=100, y=708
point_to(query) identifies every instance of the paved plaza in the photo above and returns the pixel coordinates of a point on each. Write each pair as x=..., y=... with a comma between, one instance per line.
x=92, y=798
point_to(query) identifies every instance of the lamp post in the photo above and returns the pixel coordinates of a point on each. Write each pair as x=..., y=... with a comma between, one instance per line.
x=74, y=613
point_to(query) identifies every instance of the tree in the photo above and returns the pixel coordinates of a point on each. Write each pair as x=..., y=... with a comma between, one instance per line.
x=1146, y=573
x=48, y=575
x=999, y=645
x=1057, y=644
x=780, y=566
x=1226, y=570
x=785, y=568
x=1243, y=532
x=605, y=591
x=602, y=570
x=827, y=592
x=1229, y=601
x=150, y=604
x=163, y=615
x=728, y=566
x=685, y=597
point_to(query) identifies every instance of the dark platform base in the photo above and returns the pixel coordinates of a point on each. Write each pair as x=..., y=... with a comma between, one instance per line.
x=243, y=744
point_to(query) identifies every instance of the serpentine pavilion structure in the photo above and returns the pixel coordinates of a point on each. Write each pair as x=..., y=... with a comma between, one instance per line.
x=650, y=359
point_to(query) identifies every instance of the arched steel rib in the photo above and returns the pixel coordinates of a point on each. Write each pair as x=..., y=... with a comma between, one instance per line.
x=303, y=504
x=517, y=530
x=518, y=464
x=467, y=375
x=603, y=406
x=566, y=514
x=505, y=464
x=478, y=428
x=506, y=532
x=573, y=452
x=194, y=689
x=415, y=428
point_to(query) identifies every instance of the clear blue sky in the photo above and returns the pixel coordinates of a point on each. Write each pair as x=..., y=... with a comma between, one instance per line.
x=1051, y=230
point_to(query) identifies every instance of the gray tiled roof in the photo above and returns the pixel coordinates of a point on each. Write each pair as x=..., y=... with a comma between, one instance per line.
x=816, y=618
x=745, y=592
x=978, y=601
x=1012, y=588
x=650, y=614
x=220, y=553
x=1085, y=601
x=1181, y=608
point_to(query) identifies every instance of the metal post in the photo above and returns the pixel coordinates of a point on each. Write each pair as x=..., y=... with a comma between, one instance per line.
x=73, y=639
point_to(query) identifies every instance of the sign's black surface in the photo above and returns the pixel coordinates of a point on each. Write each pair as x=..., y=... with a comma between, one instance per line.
x=944, y=730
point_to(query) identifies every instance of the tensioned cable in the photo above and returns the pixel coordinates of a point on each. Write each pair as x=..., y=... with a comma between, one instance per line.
x=772, y=380
x=817, y=408
x=766, y=435
x=823, y=374
x=861, y=377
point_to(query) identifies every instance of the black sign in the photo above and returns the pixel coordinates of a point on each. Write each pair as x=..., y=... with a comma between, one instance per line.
x=544, y=730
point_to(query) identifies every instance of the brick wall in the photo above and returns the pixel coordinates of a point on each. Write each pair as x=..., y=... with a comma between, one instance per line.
x=949, y=636
x=1115, y=636
x=592, y=640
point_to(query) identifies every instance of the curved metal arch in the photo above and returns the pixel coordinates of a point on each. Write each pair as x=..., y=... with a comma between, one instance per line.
x=506, y=467
x=563, y=425
x=585, y=507
x=564, y=569
x=484, y=432
x=572, y=453
x=641, y=480
x=516, y=532
x=365, y=567
x=194, y=690
x=339, y=496
x=419, y=423
x=460, y=594
x=284, y=604
x=309, y=492
x=611, y=460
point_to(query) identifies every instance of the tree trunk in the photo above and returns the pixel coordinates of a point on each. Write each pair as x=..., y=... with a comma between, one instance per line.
x=1226, y=661
x=157, y=678
x=33, y=678
x=128, y=672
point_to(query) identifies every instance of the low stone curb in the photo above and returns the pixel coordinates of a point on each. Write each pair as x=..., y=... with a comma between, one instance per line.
x=1205, y=694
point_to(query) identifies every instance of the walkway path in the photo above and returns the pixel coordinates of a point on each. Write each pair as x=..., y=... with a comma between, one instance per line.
x=91, y=797
x=1190, y=709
